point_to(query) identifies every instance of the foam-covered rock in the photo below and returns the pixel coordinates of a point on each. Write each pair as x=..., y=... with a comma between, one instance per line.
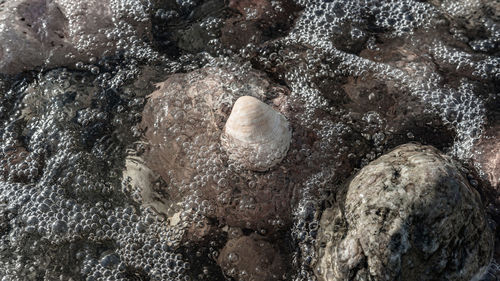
x=256, y=21
x=476, y=20
x=183, y=121
x=60, y=33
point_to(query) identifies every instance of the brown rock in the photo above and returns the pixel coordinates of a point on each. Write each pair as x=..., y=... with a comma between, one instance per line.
x=251, y=258
x=43, y=33
x=183, y=121
x=11, y=161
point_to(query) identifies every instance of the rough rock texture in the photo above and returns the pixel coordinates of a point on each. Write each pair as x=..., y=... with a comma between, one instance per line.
x=251, y=258
x=221, y=25
x=409, y=215
x=10, y=160
x=486, y=157
x=39, y=33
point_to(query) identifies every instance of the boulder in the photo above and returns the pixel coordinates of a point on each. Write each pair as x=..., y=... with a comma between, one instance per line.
x=408, y=215
x=183, y=121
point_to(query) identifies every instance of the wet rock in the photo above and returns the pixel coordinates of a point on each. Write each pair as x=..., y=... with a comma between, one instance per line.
x=4, y=222
x=54, y=33
x=476, y=21
x=187, y=28
x=395, y=113
x=139, y=182
x=257, y=21
x=409, y=215
x=487, y=156
x=251, y=258
x=183, y=121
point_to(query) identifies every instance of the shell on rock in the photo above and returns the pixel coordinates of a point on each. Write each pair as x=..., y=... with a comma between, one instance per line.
x=255, y=135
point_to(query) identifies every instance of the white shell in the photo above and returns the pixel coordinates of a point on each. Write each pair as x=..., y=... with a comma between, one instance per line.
x=256, y=135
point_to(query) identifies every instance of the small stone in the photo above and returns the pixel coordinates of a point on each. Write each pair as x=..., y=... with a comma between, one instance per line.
x=251, y=258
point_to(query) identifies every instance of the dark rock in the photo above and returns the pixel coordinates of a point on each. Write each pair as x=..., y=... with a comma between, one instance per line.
x=477, y=19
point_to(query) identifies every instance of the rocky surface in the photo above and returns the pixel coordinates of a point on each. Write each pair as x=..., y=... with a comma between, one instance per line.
x=259, y=21
x=219, y=26
x=60, y=33
x=477, y=18
x=409, y=215
x=99, y=181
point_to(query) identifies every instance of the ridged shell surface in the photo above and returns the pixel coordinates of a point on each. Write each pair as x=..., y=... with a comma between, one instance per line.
x=256, y=135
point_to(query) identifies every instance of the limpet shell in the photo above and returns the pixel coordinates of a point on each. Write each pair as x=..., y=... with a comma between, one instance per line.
x=255, y=135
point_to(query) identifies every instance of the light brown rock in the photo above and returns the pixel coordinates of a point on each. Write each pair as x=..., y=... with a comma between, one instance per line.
x=183, y=121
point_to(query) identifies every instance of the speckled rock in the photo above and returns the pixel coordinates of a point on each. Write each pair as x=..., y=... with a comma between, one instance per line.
x=55, y=33
x=408, y=215
x=251, y=258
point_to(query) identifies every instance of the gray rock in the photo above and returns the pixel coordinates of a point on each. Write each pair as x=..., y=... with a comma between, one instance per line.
x=409, y=215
